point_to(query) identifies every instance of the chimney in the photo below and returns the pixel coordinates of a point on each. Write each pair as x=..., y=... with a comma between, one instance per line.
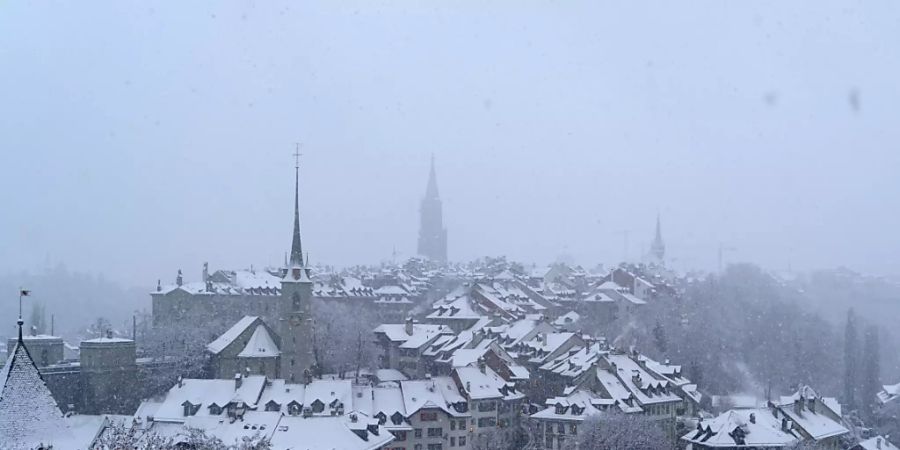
x=408, y=326
x=179, y=279
x=752, y=418
x=238, y=380
x=205, y=272
x=878, y=442
x=180, y=381
x=481, y=364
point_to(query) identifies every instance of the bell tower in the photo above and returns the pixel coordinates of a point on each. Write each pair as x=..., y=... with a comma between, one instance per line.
x=295, y=312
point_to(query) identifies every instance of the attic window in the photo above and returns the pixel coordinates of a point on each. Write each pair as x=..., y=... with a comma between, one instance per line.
x=318, y=406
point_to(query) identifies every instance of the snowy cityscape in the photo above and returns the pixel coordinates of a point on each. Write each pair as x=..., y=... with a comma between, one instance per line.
x=534, y=291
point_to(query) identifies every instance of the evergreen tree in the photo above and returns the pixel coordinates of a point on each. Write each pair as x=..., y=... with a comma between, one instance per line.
x=851, y=362
x=659, y=337
x=871, y=371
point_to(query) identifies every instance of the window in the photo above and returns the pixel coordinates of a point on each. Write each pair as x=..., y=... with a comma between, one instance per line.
x=435, y=446
x=487, y=422
x=548, y=441
x=428, y=417
x=452, y=441
x=400, y=435
x=417, y=447
x=452, y=425
x=418, y=432
x=318, y=406
x=435, y=432
x=573, y=429
x=487, y=406
x=561, y=428
x=462, y=441
x=462, y=424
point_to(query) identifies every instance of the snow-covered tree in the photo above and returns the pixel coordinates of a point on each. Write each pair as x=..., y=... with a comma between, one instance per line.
x=619, y=431
x=343, y=342
x=851, y=362
x=870, y=383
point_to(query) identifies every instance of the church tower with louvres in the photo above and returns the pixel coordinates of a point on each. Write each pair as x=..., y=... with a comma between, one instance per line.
x=295, y=311
x=432, y=234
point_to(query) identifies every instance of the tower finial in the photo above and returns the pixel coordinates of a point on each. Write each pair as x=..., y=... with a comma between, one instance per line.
x=432, y=190
x=296, y=246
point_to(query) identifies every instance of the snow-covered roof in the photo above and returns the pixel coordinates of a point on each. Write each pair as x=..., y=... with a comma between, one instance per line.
x=877, y=443
x=106, y=340
x=325, y=433
x=758, y=428
x=478, y=385
x=229, y=336
x=28, y=413
x=390, y=375
x=438, y=392
x=645, y=387
x=814, y=416
x=890, y=393
x=575, y=407
x=260, y=345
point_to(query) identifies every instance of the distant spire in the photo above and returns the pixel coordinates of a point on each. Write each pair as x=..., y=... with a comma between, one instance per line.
x=658, y=247
x=432, y=190
x=296, y=246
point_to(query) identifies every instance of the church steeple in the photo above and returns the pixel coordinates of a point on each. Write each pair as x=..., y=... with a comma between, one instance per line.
x=658, y=247
x=296, y=245
x=431, y=192
x=432, y=234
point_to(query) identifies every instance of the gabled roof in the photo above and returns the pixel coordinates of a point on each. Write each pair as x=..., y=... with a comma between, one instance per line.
x=763, y=430
x=260, y=345
x=28, y=413
x=229, y=336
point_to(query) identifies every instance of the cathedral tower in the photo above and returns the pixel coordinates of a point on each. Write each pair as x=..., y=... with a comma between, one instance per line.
x=432, y=234
x=295, y=313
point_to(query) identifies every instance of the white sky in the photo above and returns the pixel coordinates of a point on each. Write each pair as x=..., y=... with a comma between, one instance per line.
x=138, y=138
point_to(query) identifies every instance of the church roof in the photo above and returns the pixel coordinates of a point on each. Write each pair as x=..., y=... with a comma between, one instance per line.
x=260, y=345
x=28, y=413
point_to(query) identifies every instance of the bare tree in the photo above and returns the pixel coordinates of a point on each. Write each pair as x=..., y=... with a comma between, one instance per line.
x=619, y=431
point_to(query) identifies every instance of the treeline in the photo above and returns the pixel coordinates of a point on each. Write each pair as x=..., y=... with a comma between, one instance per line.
x=745, y=332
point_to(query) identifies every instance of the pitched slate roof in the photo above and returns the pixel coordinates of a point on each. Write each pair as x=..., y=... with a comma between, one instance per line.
x=28, y=413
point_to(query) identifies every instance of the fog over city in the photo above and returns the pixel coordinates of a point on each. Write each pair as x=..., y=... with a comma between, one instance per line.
x=144, y=137
x=599, y=214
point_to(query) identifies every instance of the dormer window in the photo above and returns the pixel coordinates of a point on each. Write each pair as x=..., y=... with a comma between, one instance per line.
x=273, y=406
x=190, y=409
x=215, y=409
x=397, y=418
x=318, y=406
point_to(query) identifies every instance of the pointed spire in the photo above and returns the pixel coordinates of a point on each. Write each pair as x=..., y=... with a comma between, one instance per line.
x=432, y=190
x=296, y=246
x=658, y=247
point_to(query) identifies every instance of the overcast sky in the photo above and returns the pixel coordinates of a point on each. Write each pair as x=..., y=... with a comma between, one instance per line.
x=138, y=137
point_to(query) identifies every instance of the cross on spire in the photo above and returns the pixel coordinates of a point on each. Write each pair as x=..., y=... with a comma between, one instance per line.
x=297, y=156
x=296, y=247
